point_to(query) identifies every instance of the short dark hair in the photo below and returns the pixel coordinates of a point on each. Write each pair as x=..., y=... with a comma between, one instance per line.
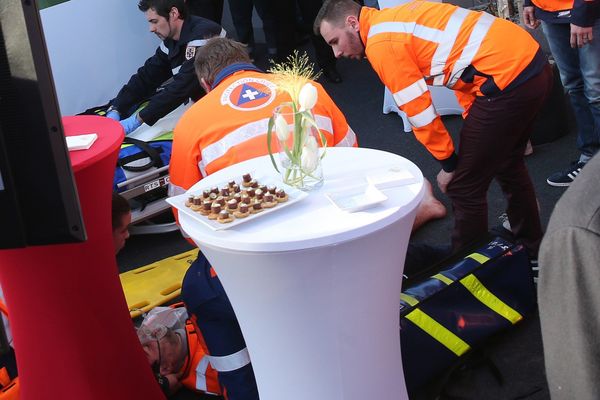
x=163, y=7
x=217, y=54
x=120, y=207
x=335, y=12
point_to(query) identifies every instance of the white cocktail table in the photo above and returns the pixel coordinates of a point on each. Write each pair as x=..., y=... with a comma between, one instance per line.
x=316, y=290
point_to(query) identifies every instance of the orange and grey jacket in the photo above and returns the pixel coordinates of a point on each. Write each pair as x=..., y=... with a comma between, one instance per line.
x=421, y=43
x=577, y=12
x=229, y=125
x=198, y=372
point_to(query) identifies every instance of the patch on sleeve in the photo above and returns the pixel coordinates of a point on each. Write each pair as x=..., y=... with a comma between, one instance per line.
x=190, y=52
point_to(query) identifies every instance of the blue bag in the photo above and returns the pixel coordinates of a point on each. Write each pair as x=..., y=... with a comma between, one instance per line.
x=137, y=157
x=456, y=310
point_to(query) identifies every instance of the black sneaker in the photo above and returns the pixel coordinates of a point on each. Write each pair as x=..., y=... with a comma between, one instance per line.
x=566, y=177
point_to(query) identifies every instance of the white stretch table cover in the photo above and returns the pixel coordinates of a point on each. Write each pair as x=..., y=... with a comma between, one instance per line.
x=444, y=100
x=316, y=290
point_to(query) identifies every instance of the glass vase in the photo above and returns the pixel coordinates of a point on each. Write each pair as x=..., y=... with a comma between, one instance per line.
x=297, y=143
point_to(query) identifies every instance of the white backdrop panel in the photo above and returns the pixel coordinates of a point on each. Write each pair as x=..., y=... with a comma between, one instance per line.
x=94, y=47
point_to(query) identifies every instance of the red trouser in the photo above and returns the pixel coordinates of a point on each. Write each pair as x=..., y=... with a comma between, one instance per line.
x=492, y=143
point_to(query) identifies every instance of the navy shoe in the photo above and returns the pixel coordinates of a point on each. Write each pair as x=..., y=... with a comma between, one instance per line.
x=566, y=177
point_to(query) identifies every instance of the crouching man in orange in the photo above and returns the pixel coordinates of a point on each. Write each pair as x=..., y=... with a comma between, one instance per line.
x=500, y=76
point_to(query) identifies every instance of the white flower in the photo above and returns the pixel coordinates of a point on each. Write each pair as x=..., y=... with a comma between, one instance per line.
x=307, y=97
x=310, y=155
x=311, y=144
x=281, y=128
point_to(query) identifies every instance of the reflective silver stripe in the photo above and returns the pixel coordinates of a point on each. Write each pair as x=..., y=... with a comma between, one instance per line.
x=202, y=42
x=410, y=93
x=231, y=362
x=164, y=48
x=349, y=140
x=197, y=43
x=423, y=118
x=202, y=167
x=243, y=133
x=175, y=190
x=440, y=57
x=175, y=71
x=466, y=58
x=201, y=374
x=324, y=123
x=420, y=31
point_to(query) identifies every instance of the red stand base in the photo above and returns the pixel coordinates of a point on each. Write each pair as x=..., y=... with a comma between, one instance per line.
x=72, y=332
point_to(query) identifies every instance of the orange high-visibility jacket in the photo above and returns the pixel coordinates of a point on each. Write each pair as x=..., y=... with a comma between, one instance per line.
x=421, y=43
x=229, y=125
x=198, y=374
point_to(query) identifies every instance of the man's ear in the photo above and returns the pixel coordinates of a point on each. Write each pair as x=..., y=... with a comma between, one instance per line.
x=174, y=13
x=352, y=22
x=207, y=88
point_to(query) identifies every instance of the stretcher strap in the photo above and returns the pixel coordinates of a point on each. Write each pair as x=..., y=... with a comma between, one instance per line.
x=481, y=293
x=438, y=332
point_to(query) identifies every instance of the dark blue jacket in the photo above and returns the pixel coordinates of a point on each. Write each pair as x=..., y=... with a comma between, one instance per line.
x=583, y=13
x=172, y=59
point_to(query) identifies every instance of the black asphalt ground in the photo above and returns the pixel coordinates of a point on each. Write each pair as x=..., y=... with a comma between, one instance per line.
x=517, y=353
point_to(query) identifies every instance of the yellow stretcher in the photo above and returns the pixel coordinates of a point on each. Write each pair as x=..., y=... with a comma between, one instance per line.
x=155, y=284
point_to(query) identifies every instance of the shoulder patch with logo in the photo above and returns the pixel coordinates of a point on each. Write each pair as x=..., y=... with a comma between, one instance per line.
x=249, y=94
x=190, y=52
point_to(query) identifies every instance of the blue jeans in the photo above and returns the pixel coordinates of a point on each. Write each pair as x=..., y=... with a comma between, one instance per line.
x=580, y=75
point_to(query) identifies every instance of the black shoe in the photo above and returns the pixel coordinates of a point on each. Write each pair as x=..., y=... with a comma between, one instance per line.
x=331, y=74
x=566, y=177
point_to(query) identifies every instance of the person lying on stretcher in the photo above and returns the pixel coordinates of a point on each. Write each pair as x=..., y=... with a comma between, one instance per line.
x=174, y=349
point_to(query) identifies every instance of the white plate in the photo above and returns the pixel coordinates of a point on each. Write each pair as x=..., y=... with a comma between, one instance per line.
x=81, y=142
x=294, y=196
x=356, y=198
x=385, y=178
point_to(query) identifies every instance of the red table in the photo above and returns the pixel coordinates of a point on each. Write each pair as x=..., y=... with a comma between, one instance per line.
x=73, y=335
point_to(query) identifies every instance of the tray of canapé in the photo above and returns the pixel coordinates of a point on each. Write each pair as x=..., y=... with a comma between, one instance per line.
x=234, y=202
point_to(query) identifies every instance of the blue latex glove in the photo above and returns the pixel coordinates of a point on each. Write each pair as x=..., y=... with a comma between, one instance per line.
x=113, y=114
x=131, y=124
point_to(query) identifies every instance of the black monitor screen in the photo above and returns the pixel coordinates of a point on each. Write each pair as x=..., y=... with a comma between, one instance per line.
x=38, y=196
